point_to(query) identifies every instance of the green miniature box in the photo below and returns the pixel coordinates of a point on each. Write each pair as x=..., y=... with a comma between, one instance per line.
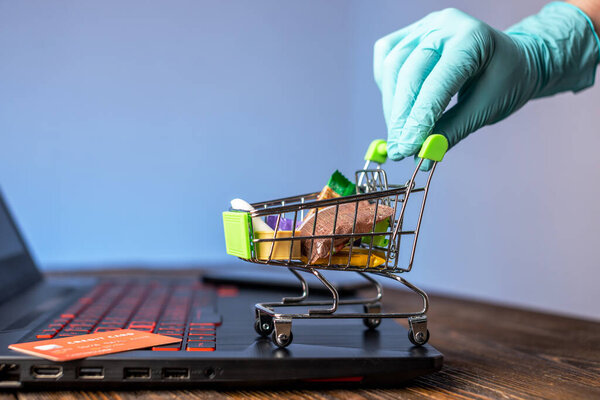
x=238, y=231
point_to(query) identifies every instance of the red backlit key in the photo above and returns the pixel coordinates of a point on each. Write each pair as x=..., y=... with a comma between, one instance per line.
x=65, y=334
x=77, y=331
x=202, y=331
x=138, y=328
x=103, y=330
x=227, y=291
x=195, y=338
x=47, y=334
x=175, y=335
x=167, y=347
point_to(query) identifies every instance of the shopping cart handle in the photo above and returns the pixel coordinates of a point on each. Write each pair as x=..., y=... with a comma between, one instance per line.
x=434, y=148
x=377, y=151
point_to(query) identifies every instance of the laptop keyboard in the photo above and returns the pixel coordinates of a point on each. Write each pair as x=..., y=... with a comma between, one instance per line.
x=182, y=310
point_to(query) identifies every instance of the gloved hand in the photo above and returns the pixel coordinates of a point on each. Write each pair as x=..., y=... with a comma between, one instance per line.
x=419, y=68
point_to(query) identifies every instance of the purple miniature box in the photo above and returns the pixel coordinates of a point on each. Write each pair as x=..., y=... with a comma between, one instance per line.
x=285, y=224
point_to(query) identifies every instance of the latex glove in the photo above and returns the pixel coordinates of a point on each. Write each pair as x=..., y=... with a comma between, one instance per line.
x=421, y=67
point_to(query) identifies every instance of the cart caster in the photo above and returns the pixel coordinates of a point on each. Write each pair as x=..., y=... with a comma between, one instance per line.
x=263, y=328
x=282, y=340
x=418, y=334
x=282, y=335
x=372, y=323
x=423, y=338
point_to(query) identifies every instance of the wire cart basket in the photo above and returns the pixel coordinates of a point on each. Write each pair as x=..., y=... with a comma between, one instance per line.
x=346, y=233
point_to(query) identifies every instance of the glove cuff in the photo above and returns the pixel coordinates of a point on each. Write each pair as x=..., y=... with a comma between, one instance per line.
x=588, y=20
x=562, y=48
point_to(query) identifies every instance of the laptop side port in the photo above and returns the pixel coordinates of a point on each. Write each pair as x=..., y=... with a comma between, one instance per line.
x=46, y=371
x=9, y=376
x=176, y=373
x=90, y=373
x=136, y=373
x=210, y=373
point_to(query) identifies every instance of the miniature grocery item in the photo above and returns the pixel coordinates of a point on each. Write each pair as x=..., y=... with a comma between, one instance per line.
x=347, y=217
x=257, y=223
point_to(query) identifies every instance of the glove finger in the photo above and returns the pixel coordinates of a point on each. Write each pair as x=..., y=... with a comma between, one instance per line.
x=391, y=68
x=411, y=78
x=473, y=110
x=454, y=68
x=384, y=46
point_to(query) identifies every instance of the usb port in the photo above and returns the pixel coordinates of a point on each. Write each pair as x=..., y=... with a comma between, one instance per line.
x=46, y=372
x=136, y=373
x=176, y=373
x=90, y=373
x=9, y=375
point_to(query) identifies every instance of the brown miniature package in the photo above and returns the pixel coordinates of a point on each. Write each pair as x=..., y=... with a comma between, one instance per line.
x=343, y=225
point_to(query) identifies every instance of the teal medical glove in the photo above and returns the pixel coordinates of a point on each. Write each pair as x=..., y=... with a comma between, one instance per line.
x=421, y=67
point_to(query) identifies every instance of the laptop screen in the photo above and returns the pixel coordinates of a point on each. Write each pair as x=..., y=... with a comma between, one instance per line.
x=17, y=269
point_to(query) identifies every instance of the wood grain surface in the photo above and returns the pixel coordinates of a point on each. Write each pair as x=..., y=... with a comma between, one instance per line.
x=490, y=351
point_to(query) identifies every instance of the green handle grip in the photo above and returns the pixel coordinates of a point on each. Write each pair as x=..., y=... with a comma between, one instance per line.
x=434, y=148
x=377, y=151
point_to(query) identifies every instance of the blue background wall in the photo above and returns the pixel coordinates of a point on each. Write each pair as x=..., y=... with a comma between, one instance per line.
x=126, y=127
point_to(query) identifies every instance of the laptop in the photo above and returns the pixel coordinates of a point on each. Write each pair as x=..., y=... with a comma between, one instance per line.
x=231, y=353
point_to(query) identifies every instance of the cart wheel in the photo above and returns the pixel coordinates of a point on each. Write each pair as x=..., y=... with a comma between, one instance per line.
x=372, y=323
x=413, y=340
x=263, y=329
x=282, y=340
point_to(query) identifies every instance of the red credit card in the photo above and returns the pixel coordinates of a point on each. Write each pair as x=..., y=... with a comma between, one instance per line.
x=95, y=344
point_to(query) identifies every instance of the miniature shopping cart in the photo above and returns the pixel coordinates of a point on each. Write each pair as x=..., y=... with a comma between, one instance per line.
x=374, y=252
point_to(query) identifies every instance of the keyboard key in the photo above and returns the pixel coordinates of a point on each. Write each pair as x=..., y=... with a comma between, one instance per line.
x=150, y=307
x=200, y=331
x=77, y=331
x=72, y=311
x=227, y=291
x=206, y=315
x=201, y=335
x=44, y=336
x=69, y=334
x=104, y=330
x=47, y=334
x=168, y=347
x=142, y=325
x=137, y=328
x=81, y=326
x=168, y=330
x=200, y=346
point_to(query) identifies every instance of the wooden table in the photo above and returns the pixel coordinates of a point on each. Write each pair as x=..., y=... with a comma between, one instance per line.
x=491, y=351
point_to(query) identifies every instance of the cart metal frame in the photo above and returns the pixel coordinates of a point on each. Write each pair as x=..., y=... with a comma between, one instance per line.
x=371, y=186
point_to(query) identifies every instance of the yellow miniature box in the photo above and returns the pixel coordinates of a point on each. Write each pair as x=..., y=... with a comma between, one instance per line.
x=281, y=249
